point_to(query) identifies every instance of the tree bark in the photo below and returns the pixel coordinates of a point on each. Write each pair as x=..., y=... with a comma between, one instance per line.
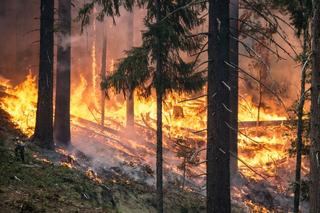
x=103, y=71
x=130, y=96
x=260, y=95
x=234, y=77
x=62, y=106
x=218, y=138
x=44, y=116
x=315, y=112
x=300, y=127
x=159, y=93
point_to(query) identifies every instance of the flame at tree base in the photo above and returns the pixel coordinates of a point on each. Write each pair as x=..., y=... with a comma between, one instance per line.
x=263, y=149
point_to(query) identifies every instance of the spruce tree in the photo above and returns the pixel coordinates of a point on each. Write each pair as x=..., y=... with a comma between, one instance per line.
x=159, y=61
x=300, y=16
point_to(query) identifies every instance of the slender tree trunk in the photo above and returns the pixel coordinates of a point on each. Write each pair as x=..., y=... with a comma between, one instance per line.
x=260, y=95
x=218, y=138
x=184, y=173
x=300, y=127
x=159, y=146
x=94, y=59
x=159, y=92
x=44, y=117
x=62, y=107
x=315, y=112
x=234, y=77
x=130, y=109
x=103, y=71
x=130, y=96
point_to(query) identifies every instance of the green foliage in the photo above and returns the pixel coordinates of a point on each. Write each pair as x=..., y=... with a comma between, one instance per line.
x=131, y=71
x=300, y=12
x=170, y=38
x=109, y=8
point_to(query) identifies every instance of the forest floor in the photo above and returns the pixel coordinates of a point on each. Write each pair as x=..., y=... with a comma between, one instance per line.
x=40, y=184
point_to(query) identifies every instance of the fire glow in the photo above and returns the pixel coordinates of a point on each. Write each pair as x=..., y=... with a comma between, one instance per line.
x=263, y=149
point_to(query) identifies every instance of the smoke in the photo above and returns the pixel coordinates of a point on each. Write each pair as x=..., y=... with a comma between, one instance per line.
x=282, y=75
x=19, y=38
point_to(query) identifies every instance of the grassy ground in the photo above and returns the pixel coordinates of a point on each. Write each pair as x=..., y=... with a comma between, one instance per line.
x=37, y=185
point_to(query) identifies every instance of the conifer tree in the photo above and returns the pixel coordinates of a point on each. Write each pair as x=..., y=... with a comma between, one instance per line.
x=300, y=15
x=159, y=61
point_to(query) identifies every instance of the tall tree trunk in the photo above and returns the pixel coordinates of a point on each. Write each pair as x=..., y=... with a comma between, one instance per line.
x=94, y=59
x=260, y=95
x=234, y=77
x=44, y=117
x=315, y=112
x=62, y=107
x=159, y=92
x=103, y=71
x=218, y=138
x=300, y=126
x=130, y=96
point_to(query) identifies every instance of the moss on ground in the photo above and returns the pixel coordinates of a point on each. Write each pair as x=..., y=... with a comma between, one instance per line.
x=41, y=186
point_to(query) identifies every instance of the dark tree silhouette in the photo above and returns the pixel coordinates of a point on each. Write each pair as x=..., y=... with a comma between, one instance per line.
x=130, y=95
x=300, y=14
x=234, y=78
x=218, y=138
x=158, y=64
x=44, y=117
x=103, y=72
x=315, y=112
x=62, y=105
x=159, y=92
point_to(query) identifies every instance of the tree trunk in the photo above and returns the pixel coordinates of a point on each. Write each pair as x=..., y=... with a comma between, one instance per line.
x=315, y=112
x=130, y=96
x=130, y=109
x=297, y=184
x=260, y=95
x=218, y=138
x=103, y=72
x=62, y=107
x=159, y=92
x=184, y=172
x=44, y=117
x=234, y=77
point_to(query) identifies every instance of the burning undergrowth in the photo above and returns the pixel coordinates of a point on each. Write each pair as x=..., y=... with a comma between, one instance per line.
x=265, y=167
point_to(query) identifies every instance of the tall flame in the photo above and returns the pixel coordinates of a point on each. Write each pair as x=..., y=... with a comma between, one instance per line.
x=263, y=149
x=21, y=103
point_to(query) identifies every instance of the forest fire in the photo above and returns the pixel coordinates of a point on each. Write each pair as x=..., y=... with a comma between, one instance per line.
x=263, y=151
x=21, y=103
x=181, y=118
x=167, y=106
